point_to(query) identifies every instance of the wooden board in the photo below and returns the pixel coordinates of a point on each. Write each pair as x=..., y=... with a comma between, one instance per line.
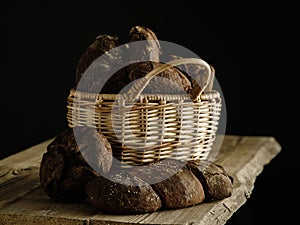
x=23, y=202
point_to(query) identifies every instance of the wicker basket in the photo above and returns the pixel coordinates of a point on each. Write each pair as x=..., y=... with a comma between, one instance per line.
x=145, y=128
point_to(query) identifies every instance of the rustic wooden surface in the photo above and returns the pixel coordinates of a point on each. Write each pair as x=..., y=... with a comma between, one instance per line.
x=23, y=202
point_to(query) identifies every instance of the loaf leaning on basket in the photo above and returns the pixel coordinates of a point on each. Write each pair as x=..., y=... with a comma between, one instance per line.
x=79, y=164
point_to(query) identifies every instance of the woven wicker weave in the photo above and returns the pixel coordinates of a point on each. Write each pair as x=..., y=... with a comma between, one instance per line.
x=144, y=128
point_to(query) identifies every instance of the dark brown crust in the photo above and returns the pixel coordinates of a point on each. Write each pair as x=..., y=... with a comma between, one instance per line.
x=95, y=148
x=169, y=81
x=114, y=84
x=217, y=183
x=136, y=196
x=178, y=187
x=63, y=170
x=101, y=44
x=180, y=190
x=149, y=50
x=92, y=71
x=196, y=75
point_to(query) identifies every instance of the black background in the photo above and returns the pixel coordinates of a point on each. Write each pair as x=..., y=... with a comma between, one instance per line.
x=251, y=45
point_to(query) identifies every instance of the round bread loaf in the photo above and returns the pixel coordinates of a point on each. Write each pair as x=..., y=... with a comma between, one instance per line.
x=169, y=81
x=177, y=186
x=216, y=182
x=64, y=171
x=180, y=190
x=93, y=70
x=130, y=196
x=102, y=43
x=147, y=53
x=149, y=49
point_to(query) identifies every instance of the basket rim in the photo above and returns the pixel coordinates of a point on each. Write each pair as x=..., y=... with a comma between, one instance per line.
x=205, y=96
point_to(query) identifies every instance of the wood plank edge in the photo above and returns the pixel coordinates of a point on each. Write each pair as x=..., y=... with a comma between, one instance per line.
x=248, y=174
x=246, y=180
x=8, y=219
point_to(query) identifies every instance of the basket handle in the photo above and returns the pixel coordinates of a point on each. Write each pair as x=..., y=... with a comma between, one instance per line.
x=137, y=88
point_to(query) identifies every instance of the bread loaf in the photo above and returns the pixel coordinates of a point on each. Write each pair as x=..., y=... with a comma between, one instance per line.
x=169, y=81
x=122, y=194
x=178, y=187
x=102, y=43
x=216, y=182
x=147, y=50
x=93, y=71
x=64, y=171
x=197, y=75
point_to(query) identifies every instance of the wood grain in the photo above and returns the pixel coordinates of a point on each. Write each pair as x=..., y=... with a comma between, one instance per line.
x=23, y=202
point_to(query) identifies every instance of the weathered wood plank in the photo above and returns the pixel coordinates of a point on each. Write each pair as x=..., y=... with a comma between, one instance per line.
x=37, y=208
x=27, y=158
x=19, y=173
x=18, y=186
x=243, y=157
